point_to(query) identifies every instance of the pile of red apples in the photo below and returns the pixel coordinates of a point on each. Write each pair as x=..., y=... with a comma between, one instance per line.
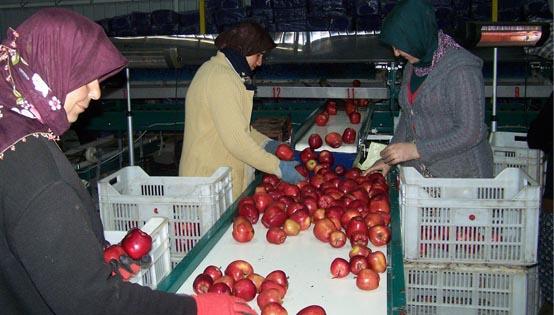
x=343, y=206
x=335, y=139
x=240, y=280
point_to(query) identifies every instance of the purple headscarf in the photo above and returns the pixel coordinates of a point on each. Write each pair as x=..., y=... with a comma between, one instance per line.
x=52, y=53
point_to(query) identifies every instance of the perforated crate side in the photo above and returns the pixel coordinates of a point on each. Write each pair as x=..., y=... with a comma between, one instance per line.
x=497, y=231
x=462, y=289
x=510, y=149
x=160, y=266
x=192, y=204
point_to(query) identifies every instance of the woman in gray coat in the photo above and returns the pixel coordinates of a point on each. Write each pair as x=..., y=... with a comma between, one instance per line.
x=442, y=130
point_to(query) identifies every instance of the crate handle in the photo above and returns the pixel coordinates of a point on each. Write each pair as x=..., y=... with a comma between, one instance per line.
x=113, y=180
x=520, y=138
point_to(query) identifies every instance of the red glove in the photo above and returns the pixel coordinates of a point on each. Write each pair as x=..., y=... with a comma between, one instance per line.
x=221, y=304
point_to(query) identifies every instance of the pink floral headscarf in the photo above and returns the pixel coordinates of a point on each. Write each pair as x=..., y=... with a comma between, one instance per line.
x=52, y=53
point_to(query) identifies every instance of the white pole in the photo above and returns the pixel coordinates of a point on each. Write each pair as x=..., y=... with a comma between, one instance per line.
x=130, y=122
x=494, y=83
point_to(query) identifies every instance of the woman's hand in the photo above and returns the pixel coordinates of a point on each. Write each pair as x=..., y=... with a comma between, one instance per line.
x=379, y=166
x=399, y=152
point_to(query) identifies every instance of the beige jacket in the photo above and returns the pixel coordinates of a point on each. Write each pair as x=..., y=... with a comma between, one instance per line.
x=218, y=109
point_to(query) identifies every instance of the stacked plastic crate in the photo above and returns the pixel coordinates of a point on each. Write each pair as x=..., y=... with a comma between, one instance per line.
x=262, y=12
x=290, y=15
x=130, y=197
x=470, y=245
x=368, y=14
x=329, y=15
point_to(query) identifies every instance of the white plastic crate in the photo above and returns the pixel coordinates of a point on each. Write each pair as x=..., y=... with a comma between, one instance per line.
x=158, y=229
x=510, y=150
x=130, y=197
x=450, y=289
x=465, y=220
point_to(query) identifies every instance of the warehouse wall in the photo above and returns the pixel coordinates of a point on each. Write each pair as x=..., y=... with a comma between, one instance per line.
x=12, y=14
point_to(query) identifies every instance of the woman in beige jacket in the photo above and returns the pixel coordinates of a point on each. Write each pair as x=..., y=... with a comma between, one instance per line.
x=218, y=109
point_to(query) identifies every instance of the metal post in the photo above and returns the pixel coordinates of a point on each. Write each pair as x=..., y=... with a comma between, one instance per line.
x=130, y=123
x=202, y=14
x=494, y=15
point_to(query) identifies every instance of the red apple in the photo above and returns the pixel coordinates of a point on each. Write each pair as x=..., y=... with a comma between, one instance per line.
x=323, y=229
x=250, y=212
x=242, y=230
x=356, y=225
x=245, y=289
x=276, y=235
x=249, y=200
x=262, y=200
x=307, y=154
x=379, y=203
x=373, y=219
x=291, y=227
x=270, y=284
x=379, y=235
x=356, y=83
x=268, y=296
x=310, y=165
x=333, y=139
x=321, y=119
x=312, y=310
x=274, y=217
x=339, y=170
x=302, y=217
x=326, y=157
x=310, y=203
x=349, y=106
x=348, y=215
x=202, y=283
x=367, y=279
x=358, y=263
x=270, y=179
x=278, y=276
x=257, y=280
x=319, y=214
x=331, y=107
x=274, y=308
x=340, y=268
x=220, y=288
x=289, y=189
x=284, y=152
x=359, y=238
x=377, y=261
x=315, y=141
x=302, y=170
x=228, y=280
x=349, y=135
x=355, y=117
x=136, y=243
x=353, y=173
x=359, y=250
x=337, y=239
x=238, y=269
x=213, y=271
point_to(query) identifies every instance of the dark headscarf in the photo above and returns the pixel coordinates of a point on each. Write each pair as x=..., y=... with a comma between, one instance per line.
x=412, y=27
x=243, y=40
x=50, y=54
x=246, y=38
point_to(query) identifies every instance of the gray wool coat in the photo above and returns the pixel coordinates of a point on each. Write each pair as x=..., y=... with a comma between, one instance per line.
x=447, y=119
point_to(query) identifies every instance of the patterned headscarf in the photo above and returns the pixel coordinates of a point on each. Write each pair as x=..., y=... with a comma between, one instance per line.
x=50, y=54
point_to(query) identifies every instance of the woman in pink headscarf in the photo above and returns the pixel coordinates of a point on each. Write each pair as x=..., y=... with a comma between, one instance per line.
x=51, y=237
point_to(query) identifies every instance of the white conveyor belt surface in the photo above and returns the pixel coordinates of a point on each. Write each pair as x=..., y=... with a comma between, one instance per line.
x=306, y=261
x=336, y=123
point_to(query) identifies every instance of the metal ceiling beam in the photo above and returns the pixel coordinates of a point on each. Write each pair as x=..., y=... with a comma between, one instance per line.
x=53, y=3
